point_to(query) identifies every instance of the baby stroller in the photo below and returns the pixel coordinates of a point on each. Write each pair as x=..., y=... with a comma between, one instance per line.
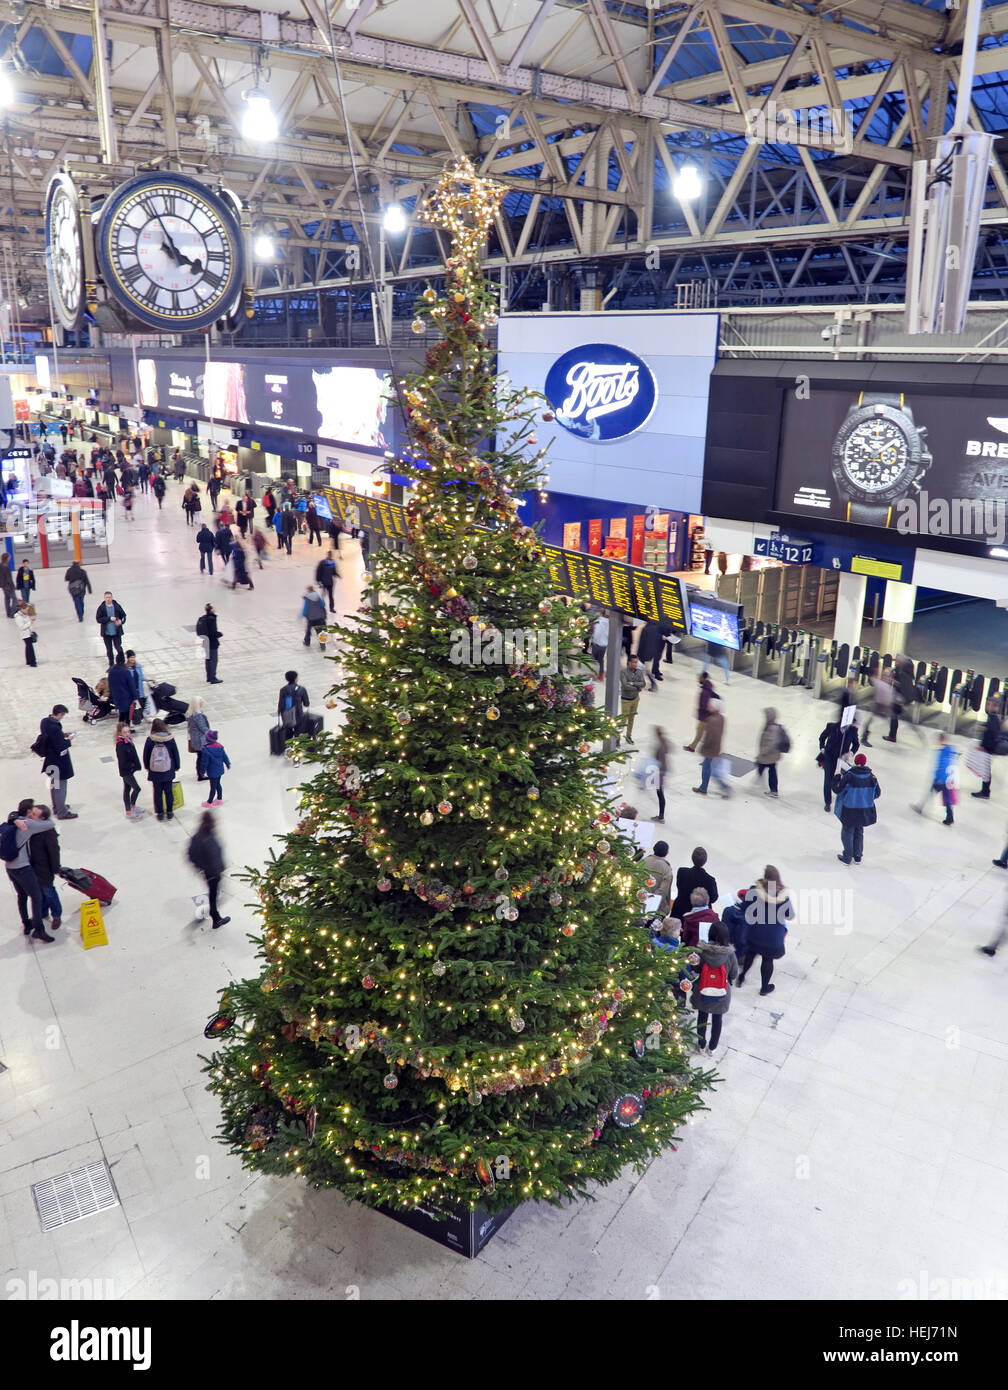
x=94, y=709
x=174, y=710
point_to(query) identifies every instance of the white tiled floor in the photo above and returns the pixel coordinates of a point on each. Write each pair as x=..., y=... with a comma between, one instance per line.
x=859, y=1135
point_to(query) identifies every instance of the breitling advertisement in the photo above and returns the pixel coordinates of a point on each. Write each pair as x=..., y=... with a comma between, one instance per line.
x=914, y=462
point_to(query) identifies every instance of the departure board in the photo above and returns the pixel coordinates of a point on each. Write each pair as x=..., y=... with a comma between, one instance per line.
x=641, y=593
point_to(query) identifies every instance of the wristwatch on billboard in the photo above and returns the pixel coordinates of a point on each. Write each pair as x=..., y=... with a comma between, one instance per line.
x=879, y=457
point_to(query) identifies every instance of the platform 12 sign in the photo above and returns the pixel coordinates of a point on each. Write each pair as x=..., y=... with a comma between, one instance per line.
x=783, y=549
x=601, y=392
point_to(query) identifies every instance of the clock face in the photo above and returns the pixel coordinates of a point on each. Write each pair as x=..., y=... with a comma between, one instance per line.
x=875, y=455
x=64, y=252
x=170, y=250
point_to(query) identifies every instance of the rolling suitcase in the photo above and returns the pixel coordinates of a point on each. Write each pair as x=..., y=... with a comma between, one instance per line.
x=312, y=724
x=277, y=740
x=89, y=883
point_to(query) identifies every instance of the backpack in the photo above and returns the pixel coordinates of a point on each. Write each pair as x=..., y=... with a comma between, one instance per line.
x=39, y=747
x=160, y=758
x=713, y=981
x=9, y=847
x=291, y=706
x=77, y=587
x=783, y=740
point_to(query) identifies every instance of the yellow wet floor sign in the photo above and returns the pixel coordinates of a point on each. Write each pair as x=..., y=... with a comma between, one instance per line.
x=92, y=928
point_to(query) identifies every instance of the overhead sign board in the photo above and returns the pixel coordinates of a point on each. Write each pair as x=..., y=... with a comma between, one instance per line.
x=601, y=392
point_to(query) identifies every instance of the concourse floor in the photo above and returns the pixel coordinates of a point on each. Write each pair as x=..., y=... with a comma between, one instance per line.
x=856, y=1146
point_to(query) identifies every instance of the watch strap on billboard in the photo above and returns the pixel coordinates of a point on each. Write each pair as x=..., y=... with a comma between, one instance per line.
x=862, y=514
x=893, y=398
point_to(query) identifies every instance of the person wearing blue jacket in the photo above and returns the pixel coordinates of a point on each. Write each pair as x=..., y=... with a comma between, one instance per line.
x=856, y=792
x=121, y=687
x=734, y=919
x=215, y=760
x=943, y=779
x=137, y=678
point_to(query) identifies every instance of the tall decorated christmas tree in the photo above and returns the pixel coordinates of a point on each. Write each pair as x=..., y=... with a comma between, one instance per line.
x=458, y=1001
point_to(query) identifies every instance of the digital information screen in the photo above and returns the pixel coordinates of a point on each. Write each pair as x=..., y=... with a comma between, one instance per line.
x=639, y=592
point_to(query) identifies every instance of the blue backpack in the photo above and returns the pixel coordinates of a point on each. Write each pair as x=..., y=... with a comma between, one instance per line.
x=9, y=847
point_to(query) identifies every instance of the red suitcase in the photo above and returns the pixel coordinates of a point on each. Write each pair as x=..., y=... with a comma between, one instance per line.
x=89, y=883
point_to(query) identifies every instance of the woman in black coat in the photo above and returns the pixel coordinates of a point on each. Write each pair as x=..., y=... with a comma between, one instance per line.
x=205, y=855
x=129, y=762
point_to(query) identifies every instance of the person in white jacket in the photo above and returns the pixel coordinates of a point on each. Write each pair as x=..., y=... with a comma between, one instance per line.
x=600, y=643
x=25, y=620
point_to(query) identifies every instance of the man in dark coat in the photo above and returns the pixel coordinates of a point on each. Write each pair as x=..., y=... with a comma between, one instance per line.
x=111, y=619
x=834, y=743
x=703, y=709
x=206, y=628
x=856, y=791
x=696, y=876
x=205, y=855
x=650, y=645
x=224, y=541
x=56, y=764
x=7, y=585
x=206, y=541
x=120, y=687
x=288, y=528
x=44, y=857
x=325, y=575
x=990, y=741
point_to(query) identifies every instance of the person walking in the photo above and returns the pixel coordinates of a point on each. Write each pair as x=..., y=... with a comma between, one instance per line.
x=632, y=682
x=703, y=708
x=314, y=523
x=773, y=742
x=162, y=761
x=56, y=763
x=195, y=503
x=990, y=742
x=600, y=643
x=197, y=726
x=660, y=870
x=944, y=780
x=127, y=501
x=837, y=743
x=178, y=465
x=856, y=792
x=245, y=510
x=733, y=918
x=111, y=619
x=710, y=750
x=205, y=854
x=78, y=584
x=711, y=997
x=24, y=618
x=128, y=760
x=695, y=876
x=313, y=610
x=215, y=760
x=650, y=646
x=7, y=584
x=904, y=693
x=768, y=911
x=259, y=545
x=44, y=858
x=882, y=688
x=291, y=703
x=276, y=521
x=224, y=540
x=206, y=544
x=239, y=564
x=662, y=755
x=269, y=505
x=20, y=827
x=206, y=627
x=288, y=527
x=158, y=488
x=25, y=581
x=326, y=574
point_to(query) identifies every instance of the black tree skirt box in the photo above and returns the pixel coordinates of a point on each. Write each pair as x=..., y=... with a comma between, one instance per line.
x=456, y=1227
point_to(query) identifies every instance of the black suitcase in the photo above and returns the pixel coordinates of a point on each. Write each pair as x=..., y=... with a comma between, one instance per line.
x=311, y=724
x=277, y=740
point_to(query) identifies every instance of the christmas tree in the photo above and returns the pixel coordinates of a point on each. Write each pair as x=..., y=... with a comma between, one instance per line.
x=458, y=1001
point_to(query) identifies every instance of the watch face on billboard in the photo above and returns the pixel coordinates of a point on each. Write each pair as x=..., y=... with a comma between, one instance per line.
x=601, y=392
x=913, y=462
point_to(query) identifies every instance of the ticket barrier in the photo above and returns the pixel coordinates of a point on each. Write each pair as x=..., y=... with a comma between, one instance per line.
x=822, y=663
x=955, y=707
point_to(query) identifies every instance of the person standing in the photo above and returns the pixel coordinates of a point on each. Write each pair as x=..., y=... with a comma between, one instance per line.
x=205, y=854
x=205, y=541
x=25, y=581
x=600, y=642
x=128, y=760
x=712, y=987
x=245, y=510
x=7, y=584
x=660, y=870
x=158, y=488
x=288, y=527
x=990, y=741
x=856, y=792
x=178, y=466
x=78, y=584
x=215, y=760
x=650, y=646
x=314, y=523
x=197, y=725
x=56, y=763
x=943, y=780
x=121, y=687
x=771, y=747
x=703, y=708
x=632, y=682
x=137, y=682
x=836, y=742
x=162, y=761
x=696, y=876
x=710, y=749
x=24, y=618
x=768, y=911
x=44, y=857
x=111, y=619
x=269, y=505
x=19, y=870
x=207, y=628
x=214, y=486
x=326, y=573
x=696, y=924
x=662, y=754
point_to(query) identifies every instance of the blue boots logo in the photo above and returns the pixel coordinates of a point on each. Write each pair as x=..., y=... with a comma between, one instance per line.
x=601, y=392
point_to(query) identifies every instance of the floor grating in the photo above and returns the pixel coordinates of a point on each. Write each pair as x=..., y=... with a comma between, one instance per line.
x=74, y=1195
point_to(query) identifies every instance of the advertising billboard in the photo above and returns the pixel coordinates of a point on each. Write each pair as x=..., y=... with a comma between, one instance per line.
x=915, y=462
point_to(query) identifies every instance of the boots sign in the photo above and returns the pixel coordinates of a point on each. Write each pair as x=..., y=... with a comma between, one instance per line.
x=601, y=392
